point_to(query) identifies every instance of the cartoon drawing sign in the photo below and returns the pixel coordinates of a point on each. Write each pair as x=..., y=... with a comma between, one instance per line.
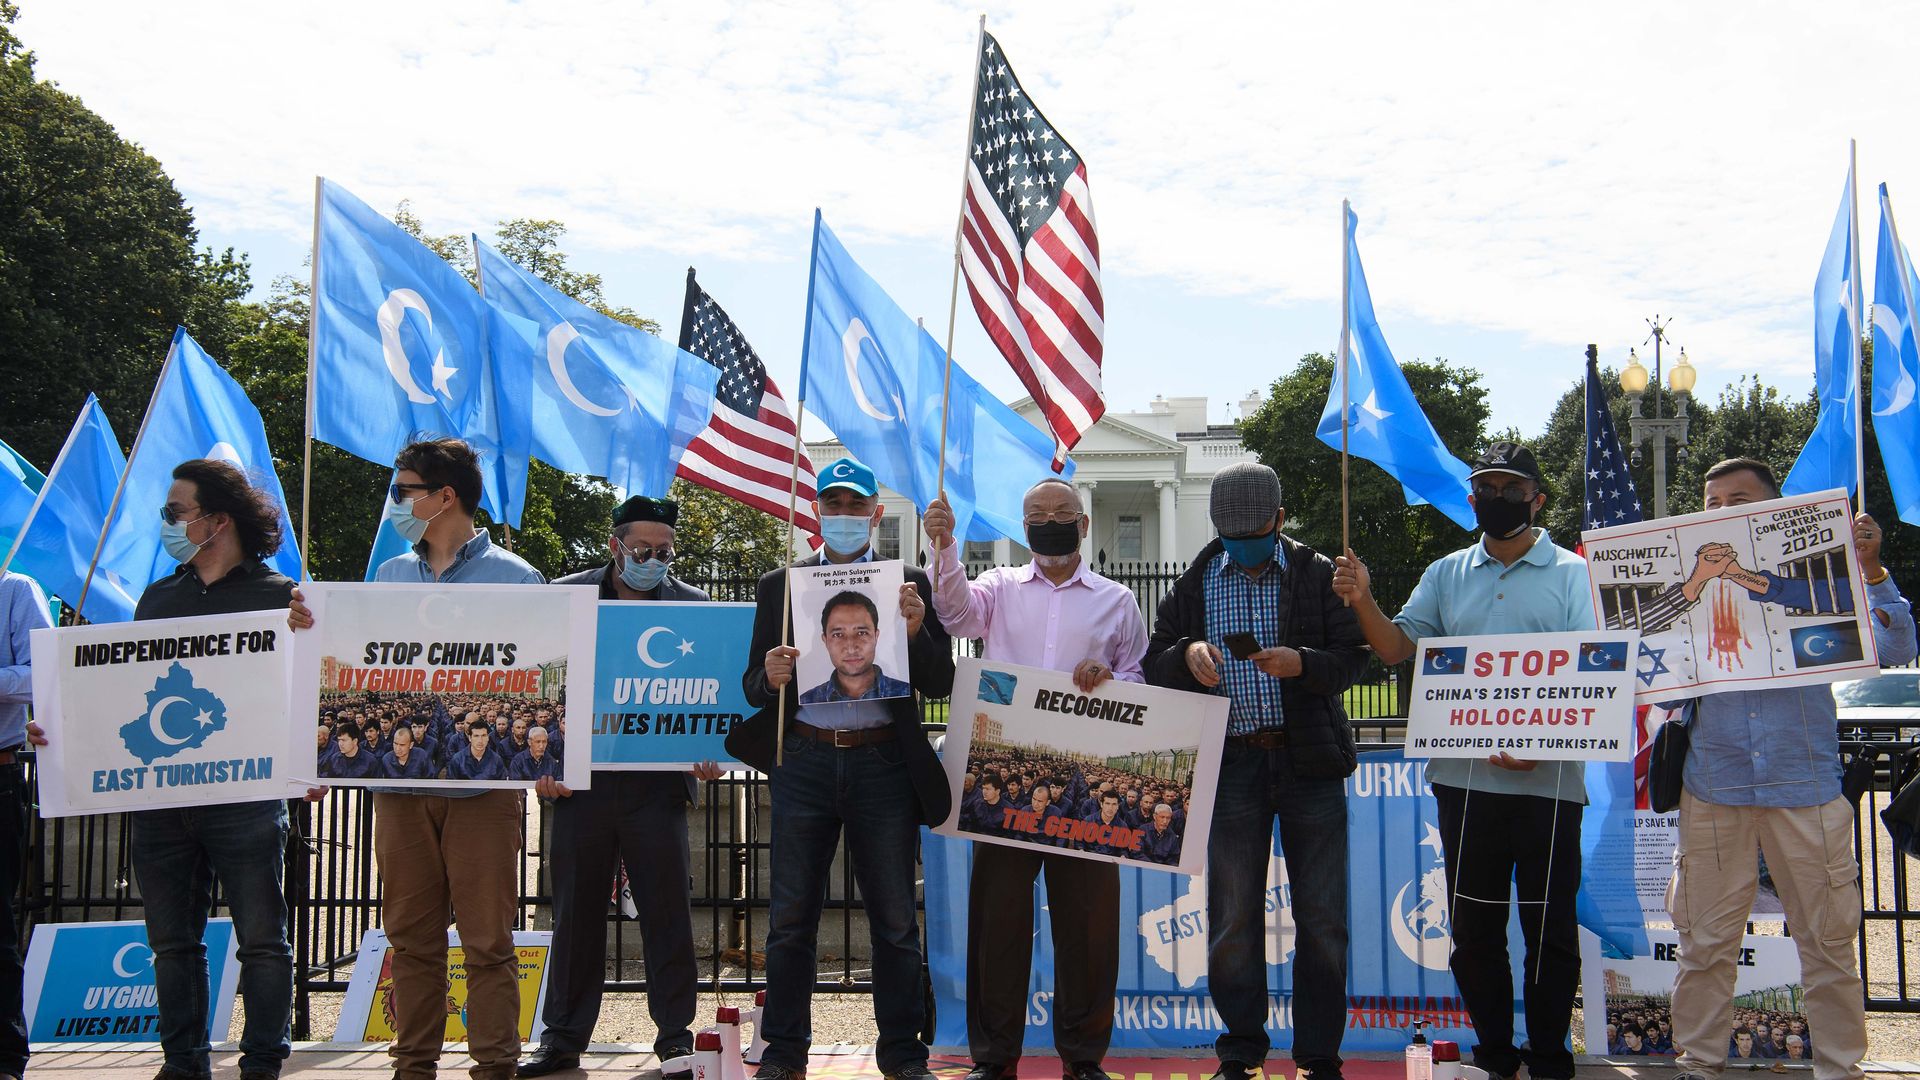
x=1743, y=598
x=167, y=712
x=367, y=1013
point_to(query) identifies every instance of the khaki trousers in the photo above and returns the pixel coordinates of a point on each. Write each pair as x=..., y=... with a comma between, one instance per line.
x=444, y=859
x=1810, y=852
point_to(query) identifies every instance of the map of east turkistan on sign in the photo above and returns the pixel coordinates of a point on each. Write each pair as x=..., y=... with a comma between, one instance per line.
x=180, y=716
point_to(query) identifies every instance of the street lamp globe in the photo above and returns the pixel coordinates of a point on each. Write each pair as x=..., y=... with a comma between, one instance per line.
x=1633, y=377
x=1681, y=379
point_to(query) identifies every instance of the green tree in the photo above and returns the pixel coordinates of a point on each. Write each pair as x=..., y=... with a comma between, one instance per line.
x=1399, y=540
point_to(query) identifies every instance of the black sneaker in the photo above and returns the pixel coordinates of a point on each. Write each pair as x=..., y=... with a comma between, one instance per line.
x=1233, y=1070
x=683, y=1053
x=987, y=1070
x=1084, y=1070
x=769, y=1071
x=916, y=1071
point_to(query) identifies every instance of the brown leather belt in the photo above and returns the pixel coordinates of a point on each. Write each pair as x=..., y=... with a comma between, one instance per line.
x=1260, y=740
x=8, y=757
x=844, y=738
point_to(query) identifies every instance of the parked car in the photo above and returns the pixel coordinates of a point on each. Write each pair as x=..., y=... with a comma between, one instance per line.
x=1884, y=707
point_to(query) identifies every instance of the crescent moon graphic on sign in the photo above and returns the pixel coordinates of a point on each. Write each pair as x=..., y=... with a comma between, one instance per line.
x=641, y=648
x=1816, y=639
x=119, y=959
x=159, y=710
x=426, y=615
x=1416, y=949
x=392, y=313
x=558, y=339
x=850, y=343
x=1902, y=394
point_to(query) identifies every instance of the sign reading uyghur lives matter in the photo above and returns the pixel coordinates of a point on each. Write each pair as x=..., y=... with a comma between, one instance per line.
x=1122, y=773
x=1542, y=697
x=1743, y=598
x=447, y=686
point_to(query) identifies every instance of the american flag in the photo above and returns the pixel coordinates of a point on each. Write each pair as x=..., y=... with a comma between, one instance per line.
x=1031, y=256
x=1611, y=501
x=747, y=450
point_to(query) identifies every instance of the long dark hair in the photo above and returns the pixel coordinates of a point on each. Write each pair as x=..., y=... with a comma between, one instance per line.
x=221, y=488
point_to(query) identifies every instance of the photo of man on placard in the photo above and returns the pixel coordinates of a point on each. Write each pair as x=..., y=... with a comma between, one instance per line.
x=848, y=652
x=850, y=630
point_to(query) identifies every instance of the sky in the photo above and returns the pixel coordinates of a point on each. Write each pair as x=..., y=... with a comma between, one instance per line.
x=1528, y=178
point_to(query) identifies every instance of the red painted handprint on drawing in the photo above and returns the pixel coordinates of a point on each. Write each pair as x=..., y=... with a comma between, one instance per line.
x=1729, y=635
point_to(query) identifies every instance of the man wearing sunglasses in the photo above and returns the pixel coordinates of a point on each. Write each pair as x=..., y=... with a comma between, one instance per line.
x=1503, y=821
x=422, y=841
x=1288, y=753
x=635, y=818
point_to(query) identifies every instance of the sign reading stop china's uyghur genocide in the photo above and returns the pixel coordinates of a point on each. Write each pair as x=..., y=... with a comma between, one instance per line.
x=1542, y=697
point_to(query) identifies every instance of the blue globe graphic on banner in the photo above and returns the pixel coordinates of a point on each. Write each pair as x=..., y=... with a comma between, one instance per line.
x=180, y=716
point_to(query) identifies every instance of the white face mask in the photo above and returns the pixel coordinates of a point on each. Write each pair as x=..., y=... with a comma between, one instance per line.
x=410, y=528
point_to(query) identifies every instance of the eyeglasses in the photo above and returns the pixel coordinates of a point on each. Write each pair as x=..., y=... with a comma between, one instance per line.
x=397, y=491
x=172, y=517
x=1513, y=493
x=643, y=553
x=1058, y=517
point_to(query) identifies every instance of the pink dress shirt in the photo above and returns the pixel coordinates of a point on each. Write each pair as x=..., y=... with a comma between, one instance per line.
x=1024, y=618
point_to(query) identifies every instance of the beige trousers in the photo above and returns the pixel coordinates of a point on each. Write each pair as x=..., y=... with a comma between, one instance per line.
x=1809, y=850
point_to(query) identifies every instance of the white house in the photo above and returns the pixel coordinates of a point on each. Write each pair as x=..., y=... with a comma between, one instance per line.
x=1144, y=476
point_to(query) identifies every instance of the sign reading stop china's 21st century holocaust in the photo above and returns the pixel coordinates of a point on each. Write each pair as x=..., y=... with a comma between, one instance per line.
x=1125, y=773
x=168, y=712
x=93, y=982
x=667, y=682
x=1541, y=697
x=447, y=686
x=1744, y=598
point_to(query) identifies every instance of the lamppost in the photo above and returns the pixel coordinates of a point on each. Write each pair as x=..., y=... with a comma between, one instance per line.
x=1658, y=428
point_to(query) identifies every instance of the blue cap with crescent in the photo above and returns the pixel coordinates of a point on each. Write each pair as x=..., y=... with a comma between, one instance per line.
x=850, y=474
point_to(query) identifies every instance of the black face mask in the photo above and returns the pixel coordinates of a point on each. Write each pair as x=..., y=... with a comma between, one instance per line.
x=1054, y=538
x=1501, y=519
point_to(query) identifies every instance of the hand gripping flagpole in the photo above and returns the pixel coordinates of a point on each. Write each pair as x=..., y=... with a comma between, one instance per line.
x=120, y=489
x=313, y=337
x=1346, y=390
x=953, y=294
x=793, y=494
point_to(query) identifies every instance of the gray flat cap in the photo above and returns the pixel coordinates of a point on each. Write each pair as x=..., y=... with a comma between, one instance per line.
x=1245, y=497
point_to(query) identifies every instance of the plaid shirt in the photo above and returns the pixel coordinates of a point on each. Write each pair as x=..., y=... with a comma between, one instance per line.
x=1240, y=603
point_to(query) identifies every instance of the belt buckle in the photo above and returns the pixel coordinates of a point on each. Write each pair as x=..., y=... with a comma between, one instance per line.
x=849, y=734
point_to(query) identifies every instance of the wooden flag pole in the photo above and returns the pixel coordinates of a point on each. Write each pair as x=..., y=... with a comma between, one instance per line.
x=793, y=497
x=953, y=293
x=40, y=497
x=313, y=327
x=113, y=508
x=1346, y=391
x=1855, y=300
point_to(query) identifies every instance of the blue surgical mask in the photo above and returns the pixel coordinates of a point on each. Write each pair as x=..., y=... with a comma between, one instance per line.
x=641, y=576
x=1250, y=551
x=845, y=534
x=400, y=516
x=174, y=539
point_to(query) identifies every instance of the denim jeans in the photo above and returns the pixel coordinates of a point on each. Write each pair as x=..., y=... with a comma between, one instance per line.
x=177, y=853
x=13, y=852
x=1255, y=787
x=816, y=793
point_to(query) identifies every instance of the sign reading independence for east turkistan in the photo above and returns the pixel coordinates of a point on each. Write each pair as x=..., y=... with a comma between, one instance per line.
x=1744, y=598
x=666, y=682
x=168, y=712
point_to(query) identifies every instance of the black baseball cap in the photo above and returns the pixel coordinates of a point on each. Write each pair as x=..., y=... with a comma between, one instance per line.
x=1507, y=456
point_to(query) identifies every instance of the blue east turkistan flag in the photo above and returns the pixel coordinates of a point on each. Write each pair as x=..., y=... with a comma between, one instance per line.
x=197, y=411
x=64, y=531
x=1831, y=457
x=404, y=347
x=874, y=376
x=1385, y=423
x=387, y=541
x=20, y=485
x=1896, y=366
x=609, y=399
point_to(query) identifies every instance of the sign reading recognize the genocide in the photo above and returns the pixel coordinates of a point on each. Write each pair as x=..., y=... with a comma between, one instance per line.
x=847, y=626
x=1745, y=598
x=1125, y=773
x=1541, y=697
x=667, y=682
x=447, y=686
x=366, y=1015
x=1769, y=1029
x=166, y=712
x=93, y=982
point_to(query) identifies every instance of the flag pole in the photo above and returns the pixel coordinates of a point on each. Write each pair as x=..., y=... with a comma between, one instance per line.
x=480, y=286
x=40, y=496
x=953, y=293
x=113, y=508
x=1855, y=298
x=1346, y=392
x=793, y=494
x=313, y=337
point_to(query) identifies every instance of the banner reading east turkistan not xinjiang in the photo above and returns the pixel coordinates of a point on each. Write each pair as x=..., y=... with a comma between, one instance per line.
x=167, y=712
x=1396, y=960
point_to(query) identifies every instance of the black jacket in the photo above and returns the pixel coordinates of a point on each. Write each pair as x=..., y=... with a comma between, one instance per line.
x=930, y=667
x=250, y=586
x=1333, y=653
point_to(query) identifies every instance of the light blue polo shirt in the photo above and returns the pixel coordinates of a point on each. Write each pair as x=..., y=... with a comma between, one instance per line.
x=1470, y=592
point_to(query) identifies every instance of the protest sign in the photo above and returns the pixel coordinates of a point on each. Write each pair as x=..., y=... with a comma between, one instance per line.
x=1748, y=597
x=366, y=1015
x=447, y=686
x=166, y=712
x=667, y=682
x=1542, y=697
x=1125, y=773
x=847, y=626
x=93, y=982
x=1769, y=1005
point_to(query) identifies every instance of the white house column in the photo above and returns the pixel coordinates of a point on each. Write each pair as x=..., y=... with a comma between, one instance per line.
x=1003, y=552
x=1169, y=519
x=1085, y=488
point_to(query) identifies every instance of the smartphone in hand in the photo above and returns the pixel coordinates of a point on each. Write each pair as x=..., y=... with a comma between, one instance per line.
x=1241, y=645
